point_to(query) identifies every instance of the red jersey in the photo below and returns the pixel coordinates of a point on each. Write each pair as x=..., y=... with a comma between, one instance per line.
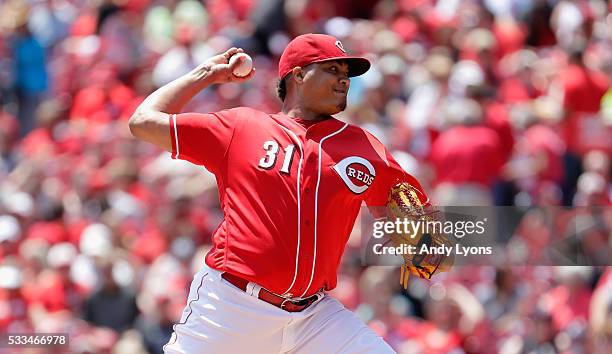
x=583, y=128
x=465, y=154
x=290, y=191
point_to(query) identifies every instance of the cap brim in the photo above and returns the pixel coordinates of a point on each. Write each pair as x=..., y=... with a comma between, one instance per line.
x=357, y=65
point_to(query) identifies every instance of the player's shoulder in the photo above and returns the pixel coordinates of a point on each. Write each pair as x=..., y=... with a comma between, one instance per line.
x=243, y=112
x=242, y=117
x=366, y=143
x=361, y=133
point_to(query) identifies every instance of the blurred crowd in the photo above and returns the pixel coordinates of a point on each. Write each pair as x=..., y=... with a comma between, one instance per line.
x=486, y=102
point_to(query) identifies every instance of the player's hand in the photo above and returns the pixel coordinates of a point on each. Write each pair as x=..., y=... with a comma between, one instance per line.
x=217, y=70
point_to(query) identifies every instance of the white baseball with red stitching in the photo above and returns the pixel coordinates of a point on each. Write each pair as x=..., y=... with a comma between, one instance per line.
x=244, y=67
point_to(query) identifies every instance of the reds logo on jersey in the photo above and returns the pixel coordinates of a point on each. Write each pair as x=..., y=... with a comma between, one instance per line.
x=356, y=172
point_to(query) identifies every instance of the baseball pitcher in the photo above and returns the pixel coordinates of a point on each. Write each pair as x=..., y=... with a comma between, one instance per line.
x=291, y=185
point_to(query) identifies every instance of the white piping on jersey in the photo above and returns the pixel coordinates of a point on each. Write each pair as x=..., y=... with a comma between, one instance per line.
x=176, y=142
x=299, y=211
x=314, y=258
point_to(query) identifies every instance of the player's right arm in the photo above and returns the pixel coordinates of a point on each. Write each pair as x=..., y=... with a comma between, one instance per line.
x=150, y=121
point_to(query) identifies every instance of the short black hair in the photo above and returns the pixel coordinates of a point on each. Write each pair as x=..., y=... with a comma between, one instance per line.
x=281, y=88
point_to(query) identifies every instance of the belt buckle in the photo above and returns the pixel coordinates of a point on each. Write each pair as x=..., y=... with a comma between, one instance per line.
x=283, y=303
x=296, y=303
x=306, y=302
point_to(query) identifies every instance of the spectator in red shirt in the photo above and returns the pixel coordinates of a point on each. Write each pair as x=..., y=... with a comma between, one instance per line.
x=54, y=289
x=583, y=89
x=466, y=157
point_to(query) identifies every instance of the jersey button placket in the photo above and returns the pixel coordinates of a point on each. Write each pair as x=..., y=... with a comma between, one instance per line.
x=309, y=177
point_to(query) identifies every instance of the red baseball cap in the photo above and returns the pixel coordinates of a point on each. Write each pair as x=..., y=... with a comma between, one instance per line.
x=315, y=48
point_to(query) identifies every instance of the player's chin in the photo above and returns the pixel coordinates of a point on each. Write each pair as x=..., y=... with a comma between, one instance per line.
x=341, y=106
x=332, y=107
x=337, y=108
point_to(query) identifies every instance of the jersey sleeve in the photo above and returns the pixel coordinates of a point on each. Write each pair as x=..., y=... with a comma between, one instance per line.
x=203, y=139
x=389, y=175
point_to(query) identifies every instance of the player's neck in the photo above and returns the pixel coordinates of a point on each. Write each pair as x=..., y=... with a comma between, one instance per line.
x=301, y=113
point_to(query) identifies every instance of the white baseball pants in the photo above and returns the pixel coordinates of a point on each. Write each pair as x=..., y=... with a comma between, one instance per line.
x=220, y=318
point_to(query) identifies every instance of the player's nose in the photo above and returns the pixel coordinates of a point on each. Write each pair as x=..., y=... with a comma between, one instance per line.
x=344, y=81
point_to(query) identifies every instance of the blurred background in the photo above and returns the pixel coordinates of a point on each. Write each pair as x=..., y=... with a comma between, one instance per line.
x=491, y=102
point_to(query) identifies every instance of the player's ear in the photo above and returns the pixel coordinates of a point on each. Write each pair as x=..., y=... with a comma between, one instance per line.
x=298, y=74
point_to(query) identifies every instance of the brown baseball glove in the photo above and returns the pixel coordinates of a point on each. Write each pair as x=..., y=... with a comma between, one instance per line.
x=404, y=203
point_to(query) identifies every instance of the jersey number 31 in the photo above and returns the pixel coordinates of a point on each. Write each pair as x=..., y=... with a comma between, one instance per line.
x=271, y=147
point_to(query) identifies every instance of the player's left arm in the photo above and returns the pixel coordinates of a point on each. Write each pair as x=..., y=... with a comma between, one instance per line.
x=389, y=175
x=398, y=194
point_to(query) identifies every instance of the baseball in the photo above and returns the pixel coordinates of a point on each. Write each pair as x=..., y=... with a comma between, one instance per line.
x=245, y=67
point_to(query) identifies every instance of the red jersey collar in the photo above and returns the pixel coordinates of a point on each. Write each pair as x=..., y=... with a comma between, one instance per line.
x=325, y=125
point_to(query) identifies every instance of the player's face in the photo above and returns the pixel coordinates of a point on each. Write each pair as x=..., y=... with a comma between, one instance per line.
x=325, y=87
